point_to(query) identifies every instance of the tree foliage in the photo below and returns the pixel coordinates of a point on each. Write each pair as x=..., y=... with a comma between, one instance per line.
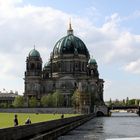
x=44, y=101
x=47, y=101
x=127, y=102
x=58, y=99
x=18, y=102
x=3, y=105
x=32, y=102
x=75, y=99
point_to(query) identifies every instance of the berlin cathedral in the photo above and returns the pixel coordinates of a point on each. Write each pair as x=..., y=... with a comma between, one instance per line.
x=70, y=68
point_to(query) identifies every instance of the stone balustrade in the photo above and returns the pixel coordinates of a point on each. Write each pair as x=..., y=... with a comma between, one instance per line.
x=38, y=110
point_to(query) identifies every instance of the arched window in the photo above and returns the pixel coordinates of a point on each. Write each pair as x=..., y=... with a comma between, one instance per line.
x=32, y=65
x=44, y=89
x=83, y=66
x=27, y=66
x=38, y=66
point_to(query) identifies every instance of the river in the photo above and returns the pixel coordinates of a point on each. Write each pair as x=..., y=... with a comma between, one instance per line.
x=120, y=125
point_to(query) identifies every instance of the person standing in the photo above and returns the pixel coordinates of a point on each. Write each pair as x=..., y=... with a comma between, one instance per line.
x=62, y=116
x=15, y=120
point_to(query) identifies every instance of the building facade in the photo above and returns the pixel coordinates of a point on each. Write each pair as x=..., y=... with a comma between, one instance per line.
x=7, y=98
x=69, y=69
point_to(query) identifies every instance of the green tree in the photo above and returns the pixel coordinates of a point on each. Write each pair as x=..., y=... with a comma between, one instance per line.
x=136, y=102
x=131, y=102
x=19, y=101
x=127, y=101
x=75, y=98
x=32, y=102
x=3, y=105
x=44, y=101
x=47, y=101
x=110, y=102
x=58, y=99
x=123, y=102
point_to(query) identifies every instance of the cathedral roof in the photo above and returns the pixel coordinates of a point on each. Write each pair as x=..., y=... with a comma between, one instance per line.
x=34, y=53
x=70, y=44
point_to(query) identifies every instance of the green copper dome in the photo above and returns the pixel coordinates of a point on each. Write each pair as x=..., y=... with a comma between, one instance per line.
x=34, y=53
x=92, y=61
x=47, y=64
x=70, y=44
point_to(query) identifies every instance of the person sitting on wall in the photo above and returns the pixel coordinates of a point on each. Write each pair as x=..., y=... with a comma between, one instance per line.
x=28, y=121
x=15, y=120
x=62, y=116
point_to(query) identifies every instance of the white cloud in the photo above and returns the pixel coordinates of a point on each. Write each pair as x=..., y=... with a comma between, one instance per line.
x=92, y=13
x=111, y=25
x=134, y=15
x=107, y=84
x=110, y=43
x=133, y=67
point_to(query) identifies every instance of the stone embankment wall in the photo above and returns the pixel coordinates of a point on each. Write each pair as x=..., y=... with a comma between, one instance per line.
x=38, y=110
x=43, y=130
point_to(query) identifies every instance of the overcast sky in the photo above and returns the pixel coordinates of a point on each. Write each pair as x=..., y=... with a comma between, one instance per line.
x=110, y=29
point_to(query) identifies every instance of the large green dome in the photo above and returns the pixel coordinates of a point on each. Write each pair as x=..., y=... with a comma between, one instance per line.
x=70, y=44
x=34, y=53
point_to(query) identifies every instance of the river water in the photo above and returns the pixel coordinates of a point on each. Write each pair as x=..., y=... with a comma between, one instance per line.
x=120, y=125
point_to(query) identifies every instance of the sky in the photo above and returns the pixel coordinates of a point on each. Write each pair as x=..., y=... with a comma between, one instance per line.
x=109, y=28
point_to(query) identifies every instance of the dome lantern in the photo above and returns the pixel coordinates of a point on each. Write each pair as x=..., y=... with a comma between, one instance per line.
x=70, y=30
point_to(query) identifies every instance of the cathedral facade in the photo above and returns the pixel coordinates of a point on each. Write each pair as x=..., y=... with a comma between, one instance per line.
x=69, y=69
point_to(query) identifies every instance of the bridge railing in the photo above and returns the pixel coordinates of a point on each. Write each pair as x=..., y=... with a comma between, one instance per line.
x=124, y=107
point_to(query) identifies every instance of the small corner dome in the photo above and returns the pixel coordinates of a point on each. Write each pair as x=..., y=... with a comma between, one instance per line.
x=47, y=64
x=34, y=53
x=92, y=61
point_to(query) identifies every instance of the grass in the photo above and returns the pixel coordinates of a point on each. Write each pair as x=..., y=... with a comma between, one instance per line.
x=7, y=119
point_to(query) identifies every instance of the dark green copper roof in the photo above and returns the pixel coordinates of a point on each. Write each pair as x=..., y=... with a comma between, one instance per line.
x=92, y=61
x=47, y=64
x=70, y=44
x=34, y=53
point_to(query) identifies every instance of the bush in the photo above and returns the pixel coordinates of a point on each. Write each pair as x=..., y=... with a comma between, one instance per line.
x=32, y=102
x=19, y=101
x=47, y=101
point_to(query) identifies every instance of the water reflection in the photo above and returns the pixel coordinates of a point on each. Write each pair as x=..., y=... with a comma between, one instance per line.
x=120, y=125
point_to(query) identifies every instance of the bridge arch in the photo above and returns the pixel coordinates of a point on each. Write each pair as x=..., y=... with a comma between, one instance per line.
x=100, y=114
x=101, y=110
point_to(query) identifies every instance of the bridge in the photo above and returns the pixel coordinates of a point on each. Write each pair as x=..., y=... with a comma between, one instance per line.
x=124, y=108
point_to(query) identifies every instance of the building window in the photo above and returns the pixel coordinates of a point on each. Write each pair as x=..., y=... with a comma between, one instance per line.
x=32, y=66
x=53, y=85
x=38, y=66
x=83, y=66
